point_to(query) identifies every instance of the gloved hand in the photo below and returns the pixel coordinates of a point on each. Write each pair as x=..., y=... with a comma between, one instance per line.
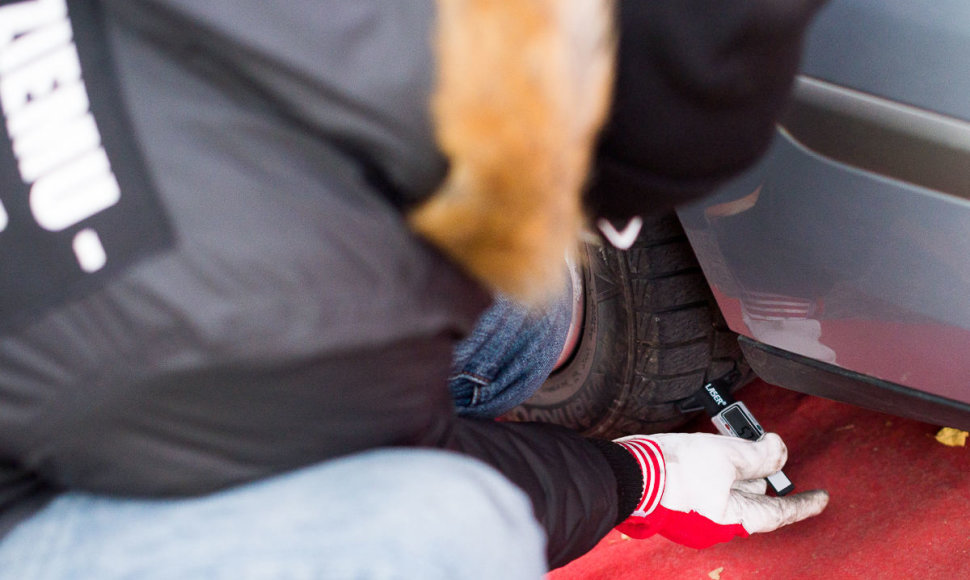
x=702, y=489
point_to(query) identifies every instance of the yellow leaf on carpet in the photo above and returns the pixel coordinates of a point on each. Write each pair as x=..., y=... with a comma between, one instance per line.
x=952, y=437
x=715, y=574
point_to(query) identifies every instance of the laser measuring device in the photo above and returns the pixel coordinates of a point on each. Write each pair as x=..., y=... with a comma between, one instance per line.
x=734, y=419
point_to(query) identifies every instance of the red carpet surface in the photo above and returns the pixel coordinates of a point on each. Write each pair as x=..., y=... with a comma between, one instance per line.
x=900, y=505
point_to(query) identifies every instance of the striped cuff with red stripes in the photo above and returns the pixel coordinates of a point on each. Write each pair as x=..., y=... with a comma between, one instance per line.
x=651, y=460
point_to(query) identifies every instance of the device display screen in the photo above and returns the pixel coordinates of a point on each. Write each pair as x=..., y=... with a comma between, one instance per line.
x=741, y=424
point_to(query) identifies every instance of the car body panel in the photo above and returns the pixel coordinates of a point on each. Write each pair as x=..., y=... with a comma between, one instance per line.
x=915, y=52
x=844, y=245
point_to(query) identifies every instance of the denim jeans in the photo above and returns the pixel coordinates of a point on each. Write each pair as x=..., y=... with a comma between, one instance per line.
x=385, y=514
x=508, y=356
x=402, y=513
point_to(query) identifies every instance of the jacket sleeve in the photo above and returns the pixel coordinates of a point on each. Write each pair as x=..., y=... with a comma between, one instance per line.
x=699, y=86
x=580, y=488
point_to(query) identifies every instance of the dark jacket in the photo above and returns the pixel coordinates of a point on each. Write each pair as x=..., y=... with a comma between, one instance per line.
x=263, y=305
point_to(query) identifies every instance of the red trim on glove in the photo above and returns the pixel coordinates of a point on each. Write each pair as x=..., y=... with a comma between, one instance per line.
x=695, y=531
x=640, y=528
x=687, y=529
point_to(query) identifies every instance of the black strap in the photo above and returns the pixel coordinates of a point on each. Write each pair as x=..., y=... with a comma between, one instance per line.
x=65, y=229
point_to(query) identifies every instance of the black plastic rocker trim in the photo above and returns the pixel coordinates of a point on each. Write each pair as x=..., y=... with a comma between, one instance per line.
x=805, y=375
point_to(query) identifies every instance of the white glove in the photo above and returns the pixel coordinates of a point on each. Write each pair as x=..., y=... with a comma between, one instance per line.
x=701, y=489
